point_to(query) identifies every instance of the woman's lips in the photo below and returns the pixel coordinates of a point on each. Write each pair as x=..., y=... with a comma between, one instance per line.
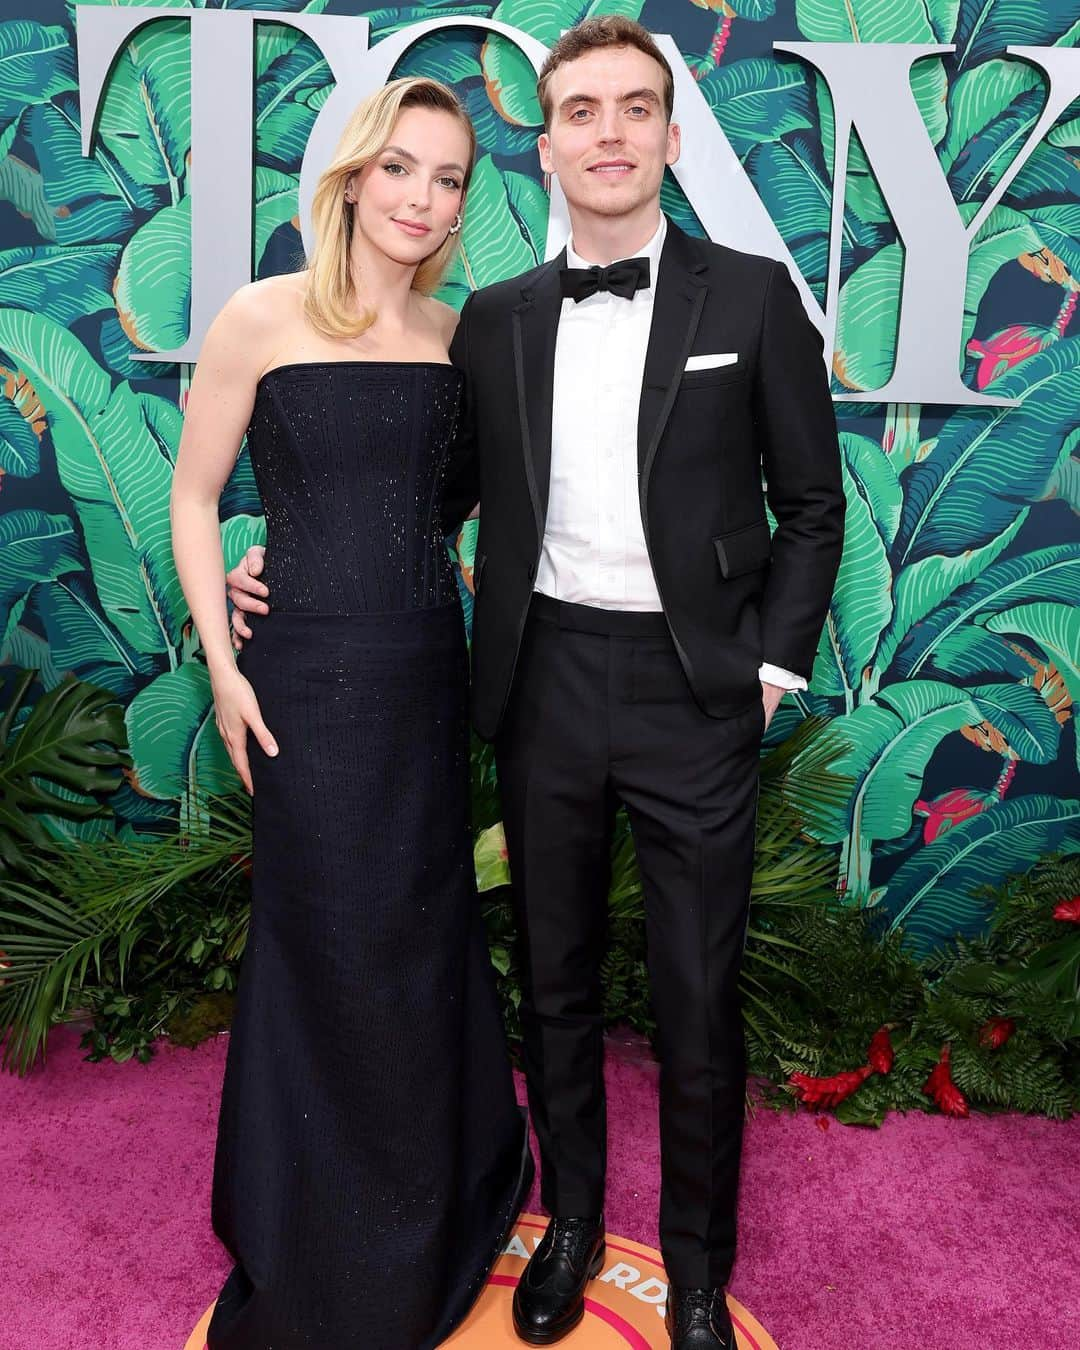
x=412, y=227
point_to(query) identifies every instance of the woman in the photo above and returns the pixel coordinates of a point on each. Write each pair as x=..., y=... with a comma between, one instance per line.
x=370, y=1152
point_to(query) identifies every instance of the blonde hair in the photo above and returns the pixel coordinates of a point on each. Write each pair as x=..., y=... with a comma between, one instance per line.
x=330, y=286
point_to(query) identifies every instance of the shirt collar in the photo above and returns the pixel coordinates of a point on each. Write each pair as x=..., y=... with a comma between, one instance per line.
x=651, y=250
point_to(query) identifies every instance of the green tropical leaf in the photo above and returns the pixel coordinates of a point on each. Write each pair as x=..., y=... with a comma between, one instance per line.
x=796, y=190
x=1058, y=228
x=20, y=449
x=759, y=99
x=283, y=116
x=986, y=466
x=935, y=894
x=24, y=188
x=1047, y=574
x=1048, y=173
x=876, y=21
x=92, y=197
x=885, y=21
x=174, y=739
x=508, y=75
x=980, y=96
x=489, y=859
x=504, y=228
x=36, y=64
x=861, y=605
x=145, y=115
x=238, y=534
x=866, y=325
x=968, y=653
x=63, y=282
x=1056, y=628
x=34, y=547
x=82, y=641
x=921, y=586
x=1020, y=713
x=890, y=741
x=73, y=738
x=276, y=203
x=986, y=27
x=117, y=470
x=511, y=82
x=153, y=284
x=1002, y=237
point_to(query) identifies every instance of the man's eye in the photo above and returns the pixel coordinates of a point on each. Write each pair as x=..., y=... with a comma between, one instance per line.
x=579, y=113
x=639, y=108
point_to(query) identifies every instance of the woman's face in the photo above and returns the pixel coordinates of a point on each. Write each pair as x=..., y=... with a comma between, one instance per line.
x=408, y=196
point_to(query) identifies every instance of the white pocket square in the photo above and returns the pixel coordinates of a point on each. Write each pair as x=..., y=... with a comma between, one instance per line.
x=711, y=362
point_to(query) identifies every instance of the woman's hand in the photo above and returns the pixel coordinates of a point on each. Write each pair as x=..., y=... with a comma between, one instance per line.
x=236, y=711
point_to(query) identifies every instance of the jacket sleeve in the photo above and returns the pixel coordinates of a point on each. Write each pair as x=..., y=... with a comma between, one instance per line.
x=796, y=427
x=461, y=485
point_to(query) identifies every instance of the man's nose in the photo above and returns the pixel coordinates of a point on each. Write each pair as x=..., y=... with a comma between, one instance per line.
x=609, y=126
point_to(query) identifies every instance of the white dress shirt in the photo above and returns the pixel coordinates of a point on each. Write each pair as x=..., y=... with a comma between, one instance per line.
x=594, y=549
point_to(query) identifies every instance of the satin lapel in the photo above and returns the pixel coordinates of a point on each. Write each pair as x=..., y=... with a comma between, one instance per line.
x=680, y=297
x=536, y=323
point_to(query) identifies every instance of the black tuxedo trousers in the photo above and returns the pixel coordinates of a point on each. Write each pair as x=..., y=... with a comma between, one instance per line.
x=601, y=713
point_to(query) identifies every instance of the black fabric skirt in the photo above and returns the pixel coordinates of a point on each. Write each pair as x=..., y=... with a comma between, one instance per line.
x=370, y=1155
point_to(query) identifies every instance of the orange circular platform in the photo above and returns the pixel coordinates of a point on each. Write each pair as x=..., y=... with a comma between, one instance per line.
x=624, y=1305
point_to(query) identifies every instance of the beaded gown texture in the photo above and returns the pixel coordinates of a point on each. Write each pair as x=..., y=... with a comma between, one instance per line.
x=370, y=1152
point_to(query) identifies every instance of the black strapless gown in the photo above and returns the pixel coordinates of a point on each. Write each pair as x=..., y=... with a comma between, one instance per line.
x=370, y=1153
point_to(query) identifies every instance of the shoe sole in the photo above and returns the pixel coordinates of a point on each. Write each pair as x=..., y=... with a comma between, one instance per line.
x=550, y=1337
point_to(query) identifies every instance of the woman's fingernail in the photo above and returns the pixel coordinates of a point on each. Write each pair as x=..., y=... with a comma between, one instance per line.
x=271, y=749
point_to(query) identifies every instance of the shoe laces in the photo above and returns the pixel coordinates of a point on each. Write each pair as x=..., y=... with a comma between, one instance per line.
x=566, y=1235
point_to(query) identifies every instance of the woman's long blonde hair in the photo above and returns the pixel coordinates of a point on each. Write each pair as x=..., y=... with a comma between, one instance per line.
x=330, y=288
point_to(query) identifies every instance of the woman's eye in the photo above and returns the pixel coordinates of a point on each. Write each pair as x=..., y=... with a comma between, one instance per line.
x=451, y=184
x=393, y=167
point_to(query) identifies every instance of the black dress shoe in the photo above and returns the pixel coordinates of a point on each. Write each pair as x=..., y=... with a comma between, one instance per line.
x=698, y=1319
x=549, y=1300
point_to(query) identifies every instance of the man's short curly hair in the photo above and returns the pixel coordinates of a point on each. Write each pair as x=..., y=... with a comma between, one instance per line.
x=607, y=30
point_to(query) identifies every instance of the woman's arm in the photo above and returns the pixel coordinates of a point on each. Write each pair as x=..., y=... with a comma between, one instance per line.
x=218, y=411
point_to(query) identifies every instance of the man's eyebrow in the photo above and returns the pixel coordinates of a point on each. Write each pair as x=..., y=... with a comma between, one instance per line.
x=404, y=154
x=640, y=95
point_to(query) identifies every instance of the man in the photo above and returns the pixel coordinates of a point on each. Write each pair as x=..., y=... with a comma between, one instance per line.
x=635, y=629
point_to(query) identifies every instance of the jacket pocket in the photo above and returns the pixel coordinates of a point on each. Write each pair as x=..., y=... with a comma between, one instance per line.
x=744, y=550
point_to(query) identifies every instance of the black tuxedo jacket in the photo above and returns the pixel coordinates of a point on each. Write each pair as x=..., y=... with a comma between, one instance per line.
x=733, y=598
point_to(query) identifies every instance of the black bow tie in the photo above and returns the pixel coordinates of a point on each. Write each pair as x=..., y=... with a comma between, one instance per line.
x=620, y=278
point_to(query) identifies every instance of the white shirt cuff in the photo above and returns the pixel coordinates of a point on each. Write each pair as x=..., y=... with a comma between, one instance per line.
x=779, y=676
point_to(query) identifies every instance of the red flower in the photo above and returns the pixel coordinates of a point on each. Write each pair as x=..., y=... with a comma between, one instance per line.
x=1008, y=348
x=829, y=1091
x=943, y=812
x=995, y=1032
x=1068, y=911
x=881, y=1055
x=941, y=1087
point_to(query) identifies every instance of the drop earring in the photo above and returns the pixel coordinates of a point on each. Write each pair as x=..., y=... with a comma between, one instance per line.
x=457, y=224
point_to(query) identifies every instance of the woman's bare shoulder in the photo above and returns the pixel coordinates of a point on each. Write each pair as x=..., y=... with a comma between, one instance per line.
x=271, y=298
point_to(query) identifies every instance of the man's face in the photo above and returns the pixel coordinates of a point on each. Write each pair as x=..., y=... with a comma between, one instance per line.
x=609, y=140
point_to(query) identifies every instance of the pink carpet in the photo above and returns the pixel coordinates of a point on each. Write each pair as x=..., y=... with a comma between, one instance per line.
x=928, y=1233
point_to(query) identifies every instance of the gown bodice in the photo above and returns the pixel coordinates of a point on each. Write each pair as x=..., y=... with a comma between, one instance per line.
x=349, y=458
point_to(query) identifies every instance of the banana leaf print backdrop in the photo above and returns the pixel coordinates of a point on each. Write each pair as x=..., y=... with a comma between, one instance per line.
x=950, y=663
